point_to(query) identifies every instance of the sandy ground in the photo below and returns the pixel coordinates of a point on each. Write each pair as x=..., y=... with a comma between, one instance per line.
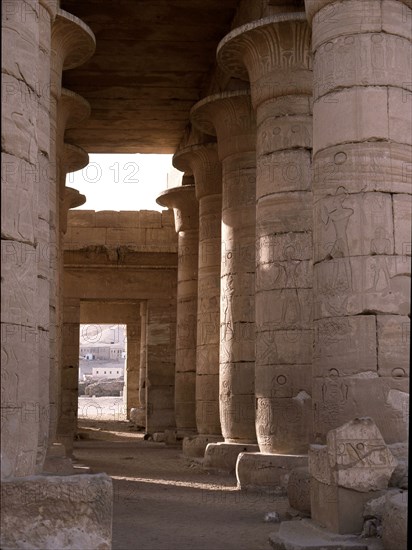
x=164, y=501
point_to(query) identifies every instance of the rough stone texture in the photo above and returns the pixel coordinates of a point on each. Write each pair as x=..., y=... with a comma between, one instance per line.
x=222, y=457
x=229, y=116
x=354, y=467
x=400, y=475
x=355, y=457
x=266, y=471
x=132, y=373
x=195, y=446
x=186, y=211
x=298, y=489
x=57, y=512
x=305, y=535
x=395, y=522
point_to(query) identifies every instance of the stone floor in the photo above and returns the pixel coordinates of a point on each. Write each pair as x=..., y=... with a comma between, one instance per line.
x=165, y=501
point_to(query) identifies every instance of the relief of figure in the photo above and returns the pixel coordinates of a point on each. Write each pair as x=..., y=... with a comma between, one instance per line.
x=227, y=308
x=335, y=390
x=291, y=313
x=380, y=247
x=186, y=336
x=339, y=215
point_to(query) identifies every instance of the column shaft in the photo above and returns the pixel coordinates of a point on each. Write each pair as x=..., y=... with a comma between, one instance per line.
x=230, y=116
x=132, y=371
x=275, y=52
x=361, y=146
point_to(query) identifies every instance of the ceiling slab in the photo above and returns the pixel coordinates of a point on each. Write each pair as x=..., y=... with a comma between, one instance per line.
x=152, y=59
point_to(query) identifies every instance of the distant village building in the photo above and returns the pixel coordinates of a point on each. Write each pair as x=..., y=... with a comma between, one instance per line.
x=108, y=372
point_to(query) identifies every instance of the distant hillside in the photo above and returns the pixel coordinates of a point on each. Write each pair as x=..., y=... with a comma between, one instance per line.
x=101, y=335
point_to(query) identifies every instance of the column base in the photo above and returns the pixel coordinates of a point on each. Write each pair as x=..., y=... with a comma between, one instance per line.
x=306, y=535
x=195, y=446
x=222, y=457
x=137, y=416
x=57, y=512
x=266, y=471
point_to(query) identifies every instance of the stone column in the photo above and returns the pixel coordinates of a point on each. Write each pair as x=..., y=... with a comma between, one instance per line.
x=132, y=370
x=69, y=362
x=138, y=415
x=274, y=53
x=143, y=354
x=230, y=116
x=72, y=43
x=68, y=404
x=183, y=201
x=22, y=304
x=161, y=357
x=202, y=160
x=362, y=137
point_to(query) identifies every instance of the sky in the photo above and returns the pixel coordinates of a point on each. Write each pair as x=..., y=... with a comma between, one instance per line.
x=124, y=182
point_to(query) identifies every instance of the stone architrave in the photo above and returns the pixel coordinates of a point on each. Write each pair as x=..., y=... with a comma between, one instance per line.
x=202, y=160
x=274, y=53
x=362, y=147
x=186, y=211
x=230, y=116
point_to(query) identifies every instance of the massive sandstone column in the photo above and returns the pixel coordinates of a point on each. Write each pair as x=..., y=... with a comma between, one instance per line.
x=202, y=160
x=69, y=358
x=362, y=139
x=230, y=116
x=72, y=44
x=274, y=53
x=183, y=201
x=25, y=236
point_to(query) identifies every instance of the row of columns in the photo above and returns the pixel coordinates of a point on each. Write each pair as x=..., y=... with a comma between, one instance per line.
x=314, y=229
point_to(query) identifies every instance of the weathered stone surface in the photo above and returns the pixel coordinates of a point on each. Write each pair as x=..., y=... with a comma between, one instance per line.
x=138, y=416
x=393, y=339
x=395, y=522
x=400, y=474
x=195, y=446
x=338, y=509
x=307, y=535
x=256, y=471
x=298, y=489
x=355, y=457
x=222, y=457
x=58, y=512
